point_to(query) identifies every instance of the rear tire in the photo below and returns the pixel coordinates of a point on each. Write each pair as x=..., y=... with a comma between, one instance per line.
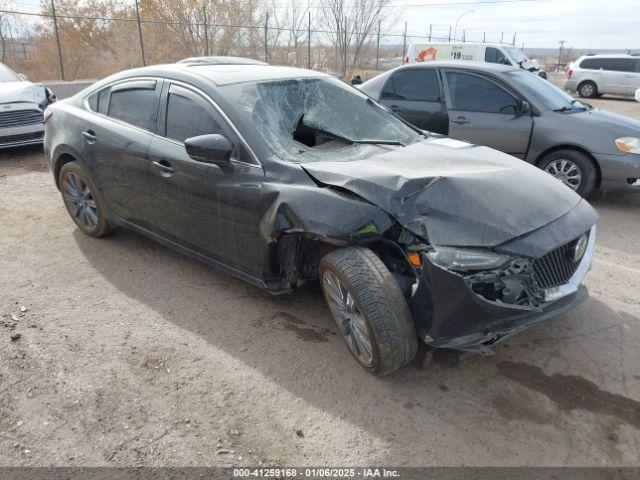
x=573, y=168
x=588, y=89
x=369, y=309
x=82, y=200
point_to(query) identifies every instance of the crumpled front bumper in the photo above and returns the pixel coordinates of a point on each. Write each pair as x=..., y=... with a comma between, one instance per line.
x=448, y=314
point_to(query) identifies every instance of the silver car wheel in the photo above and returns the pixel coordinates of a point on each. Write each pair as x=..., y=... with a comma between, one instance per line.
x=587, y=90
x=348, y=317
x=80, y=201
x=565, y=171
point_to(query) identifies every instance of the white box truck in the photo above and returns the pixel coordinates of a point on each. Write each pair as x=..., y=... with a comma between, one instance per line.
x=477, y=52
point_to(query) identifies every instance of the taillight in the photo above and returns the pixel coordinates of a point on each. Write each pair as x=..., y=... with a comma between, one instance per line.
x=569, y=73
x=406, y=60
x=47, y=115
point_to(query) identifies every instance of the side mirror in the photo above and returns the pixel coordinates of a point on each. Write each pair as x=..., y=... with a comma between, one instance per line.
x=23, y=77
x=509, y=109
x=525, y=107
x=356, y=80
x=215, y=149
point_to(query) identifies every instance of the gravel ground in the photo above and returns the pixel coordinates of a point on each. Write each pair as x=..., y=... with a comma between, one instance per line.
x=131, y=354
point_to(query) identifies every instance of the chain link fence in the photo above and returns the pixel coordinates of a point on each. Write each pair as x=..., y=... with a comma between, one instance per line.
x=68, y=41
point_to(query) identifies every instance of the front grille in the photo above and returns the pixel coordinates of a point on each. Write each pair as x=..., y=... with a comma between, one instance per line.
x=556, y=267
x=17, y=118
x=25, y=137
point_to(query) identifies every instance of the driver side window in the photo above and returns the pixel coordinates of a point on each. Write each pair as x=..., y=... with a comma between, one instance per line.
x=472, y=93
x=187, y=116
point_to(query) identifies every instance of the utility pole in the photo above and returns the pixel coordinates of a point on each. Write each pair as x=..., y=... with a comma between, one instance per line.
x=346, y=49
x=430, y=29
x=404, y=43
x=514, y=39
x=266, y=45
x=501, y=37
x=309, y=42
x=378, y=45
x=449, y=34
x=484, y=37
x=464, y=35
x=560, y=52
x=144, y=59
x=206, y=30
x=55, y=26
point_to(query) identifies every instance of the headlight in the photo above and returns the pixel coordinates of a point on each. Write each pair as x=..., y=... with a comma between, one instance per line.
x=628, y=144
x=466, y=259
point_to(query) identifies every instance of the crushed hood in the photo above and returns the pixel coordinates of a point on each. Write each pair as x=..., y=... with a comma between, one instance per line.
x=453, y=193
x=13, y=92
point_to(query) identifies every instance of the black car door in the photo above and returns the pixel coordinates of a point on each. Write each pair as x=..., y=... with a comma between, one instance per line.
x=415, y=95
x=116, y=143
x=482, y=111
x=201, y=206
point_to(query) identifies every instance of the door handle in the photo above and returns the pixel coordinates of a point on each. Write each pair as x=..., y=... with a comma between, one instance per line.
x=461, y=121
x=89, y=136
x=395, y=108
x=165, y=168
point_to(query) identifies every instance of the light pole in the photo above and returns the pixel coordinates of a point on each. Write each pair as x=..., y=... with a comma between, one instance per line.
x=455, y=30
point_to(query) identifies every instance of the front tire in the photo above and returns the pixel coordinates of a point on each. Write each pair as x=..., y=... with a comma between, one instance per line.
x=588, y=89
x=572, y=168
x=369, y=309
x=82, y=200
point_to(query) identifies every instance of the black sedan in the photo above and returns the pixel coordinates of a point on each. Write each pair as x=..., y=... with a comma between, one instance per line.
x=282, y=176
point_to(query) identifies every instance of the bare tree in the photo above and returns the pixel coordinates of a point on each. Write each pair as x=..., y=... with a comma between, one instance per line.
x=6, y=30
x=352, y=24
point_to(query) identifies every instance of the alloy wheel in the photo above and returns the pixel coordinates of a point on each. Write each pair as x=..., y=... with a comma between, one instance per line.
x=566, y=171
x=80, y=201
x=348, y=317
x=587, y=90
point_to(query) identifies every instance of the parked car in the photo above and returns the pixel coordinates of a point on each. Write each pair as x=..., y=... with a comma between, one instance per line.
x=595, y=75
x=221, y=60
x=283, y=176
x=476, y=52
x=21, y=106
x=522, y=115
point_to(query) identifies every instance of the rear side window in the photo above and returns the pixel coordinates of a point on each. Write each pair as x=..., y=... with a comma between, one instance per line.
x=592, y=63
x=610, y=64
x=493, y=55
x=619, y=65
x=414, y=84
x=188, y=116
x=135, y=103
x=471, y=93
x=99, y=101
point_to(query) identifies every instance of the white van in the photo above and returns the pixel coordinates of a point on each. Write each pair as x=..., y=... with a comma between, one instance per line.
x=477, y=52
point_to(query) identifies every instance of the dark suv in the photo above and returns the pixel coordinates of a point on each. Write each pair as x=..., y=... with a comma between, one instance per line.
x=282, y=176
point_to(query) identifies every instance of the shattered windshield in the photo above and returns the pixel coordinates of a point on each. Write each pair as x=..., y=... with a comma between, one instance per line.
x=317, y=119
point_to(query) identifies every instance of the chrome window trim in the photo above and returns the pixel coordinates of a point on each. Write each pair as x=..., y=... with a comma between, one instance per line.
x=207, y=98
x=85, y=101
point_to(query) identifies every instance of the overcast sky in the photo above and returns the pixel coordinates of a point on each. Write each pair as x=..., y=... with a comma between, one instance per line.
x=593, y=24
x=537, y=23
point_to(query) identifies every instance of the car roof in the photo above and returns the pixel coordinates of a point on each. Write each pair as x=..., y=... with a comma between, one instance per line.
x=220, y=60
x=472, y=44
x=609, y=55
x=483, y=66
x=222, y=75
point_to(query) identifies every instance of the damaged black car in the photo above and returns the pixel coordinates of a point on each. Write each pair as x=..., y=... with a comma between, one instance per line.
x=284, y=176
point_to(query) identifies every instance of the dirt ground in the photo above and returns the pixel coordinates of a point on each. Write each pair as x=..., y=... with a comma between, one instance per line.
x=131, y=354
